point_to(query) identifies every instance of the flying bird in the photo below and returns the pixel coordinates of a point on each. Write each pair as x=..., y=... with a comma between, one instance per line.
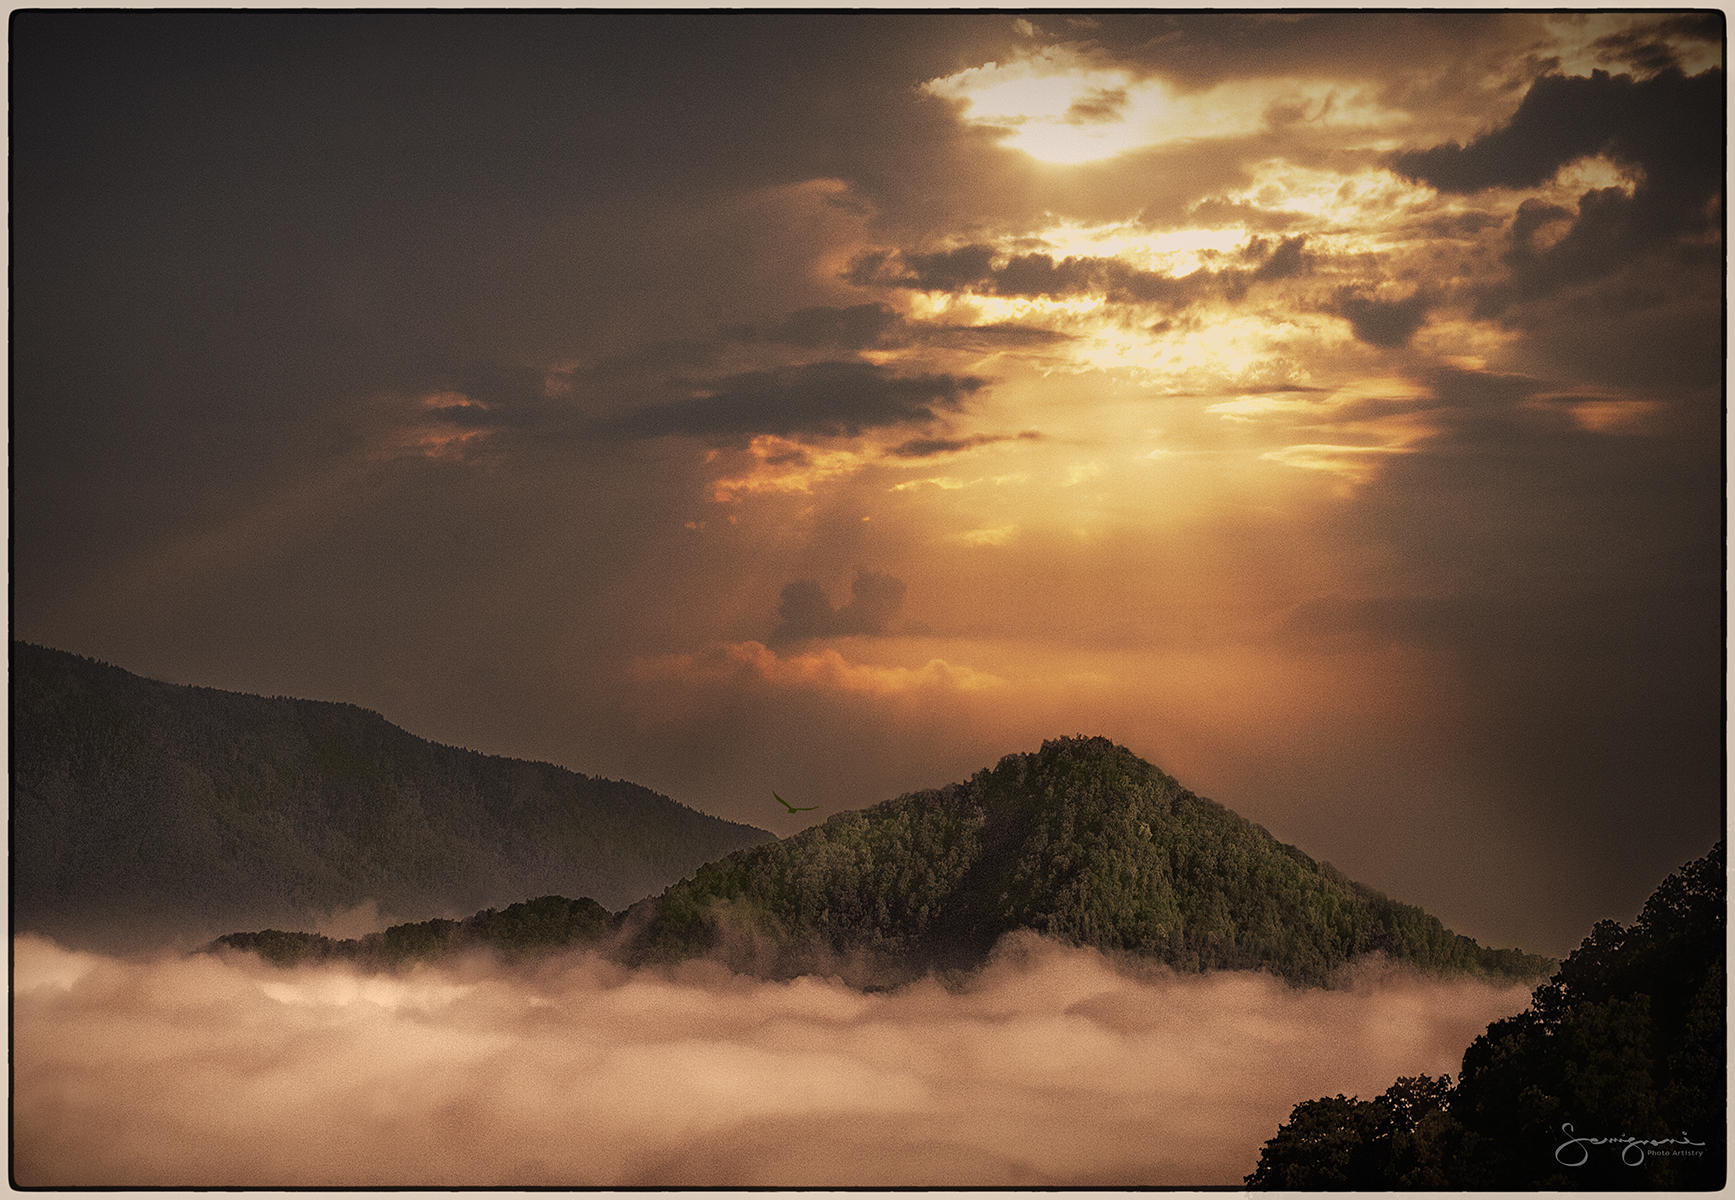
x=791, y=807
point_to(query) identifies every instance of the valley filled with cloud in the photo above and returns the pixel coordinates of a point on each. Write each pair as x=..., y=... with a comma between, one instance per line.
x=1053, y=1066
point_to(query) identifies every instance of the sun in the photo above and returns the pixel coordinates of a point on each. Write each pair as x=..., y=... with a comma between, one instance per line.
x=1054, y=108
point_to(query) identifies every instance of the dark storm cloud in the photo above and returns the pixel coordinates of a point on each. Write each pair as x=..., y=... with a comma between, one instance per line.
x=1647, y=47
x=1664, y=125
x=1532, y=217
x=1201, y=48
x=1104, y=104
x=1000, y=335
x=857, y=327
x=657, y=357
x=805, y=611
x=878, y=326
x=1385, y=323
x=1607, y=231
x=1288, y=260
x=829, y=399
x=980, y=268
x=943, y=270
x=1459, y=226
x=1670, y=128
x=233, y=229
x=931, y=447
x=1653, y=325
x=1043, y=275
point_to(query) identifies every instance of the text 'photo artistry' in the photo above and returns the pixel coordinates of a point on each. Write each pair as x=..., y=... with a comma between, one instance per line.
x=894, y=599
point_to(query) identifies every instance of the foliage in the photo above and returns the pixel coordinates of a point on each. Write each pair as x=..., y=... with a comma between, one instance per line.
x=1626, y=1041
x=142, y=810
x=519, y=930
x=1082, y=841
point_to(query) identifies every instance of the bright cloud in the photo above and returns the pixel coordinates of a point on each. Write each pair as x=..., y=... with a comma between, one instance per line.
x=824, y=670
x=1061, y=108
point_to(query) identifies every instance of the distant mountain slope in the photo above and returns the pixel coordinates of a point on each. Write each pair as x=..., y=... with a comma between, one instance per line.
x=144, y=811
x=527, y=928
x=1082, y=841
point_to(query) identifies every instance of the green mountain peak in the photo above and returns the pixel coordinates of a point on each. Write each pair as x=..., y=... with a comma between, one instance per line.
x=1082, y=841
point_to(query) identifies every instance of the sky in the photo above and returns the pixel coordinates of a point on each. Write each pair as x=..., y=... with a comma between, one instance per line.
x=1325, y=406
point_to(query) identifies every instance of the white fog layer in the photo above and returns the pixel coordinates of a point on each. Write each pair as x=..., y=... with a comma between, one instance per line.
x=1051, y=1067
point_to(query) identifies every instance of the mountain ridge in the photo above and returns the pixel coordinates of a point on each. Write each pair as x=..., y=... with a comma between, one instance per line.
x=1081, y=840
x=144, y=810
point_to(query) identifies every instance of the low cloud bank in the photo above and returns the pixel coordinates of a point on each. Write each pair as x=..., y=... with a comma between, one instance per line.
x=1053, y=1066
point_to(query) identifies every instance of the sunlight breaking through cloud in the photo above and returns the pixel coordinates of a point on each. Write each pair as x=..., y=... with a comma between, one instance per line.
x=1059, y=107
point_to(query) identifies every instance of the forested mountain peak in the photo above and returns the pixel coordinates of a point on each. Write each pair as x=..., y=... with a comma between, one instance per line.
x=1081, y=840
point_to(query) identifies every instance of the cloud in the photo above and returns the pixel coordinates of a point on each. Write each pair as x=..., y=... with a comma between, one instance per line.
x=194, y=495
x=820, y=670
x=931, y=447
x=1562, y=118
x=1102, y=104
x=985, y=270
x=1287, y=260
x=1655, y=48
x=1385, y=323
x=857, y=327
x=804, y=610
x=827, y=399
x=1668, y=128
x=999, y=335
x=940, y=270
x=1664, y=125
x=876, y=326
x=1051, y=1067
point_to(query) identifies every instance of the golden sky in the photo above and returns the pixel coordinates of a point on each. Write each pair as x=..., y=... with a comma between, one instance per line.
x=1327, y=406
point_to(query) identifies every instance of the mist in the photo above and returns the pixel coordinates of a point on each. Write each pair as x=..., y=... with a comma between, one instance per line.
x=1052, y=1066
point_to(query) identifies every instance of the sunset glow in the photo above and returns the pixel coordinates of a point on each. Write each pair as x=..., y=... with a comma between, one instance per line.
x=1326, y=405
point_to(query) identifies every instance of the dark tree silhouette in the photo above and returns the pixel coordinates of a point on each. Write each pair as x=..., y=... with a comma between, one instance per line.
x=1612, y=1078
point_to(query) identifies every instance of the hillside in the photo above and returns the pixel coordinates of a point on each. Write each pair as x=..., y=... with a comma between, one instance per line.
x=1614, y=1077
x=519, y=930
x=145, y=812
x=1082, y=841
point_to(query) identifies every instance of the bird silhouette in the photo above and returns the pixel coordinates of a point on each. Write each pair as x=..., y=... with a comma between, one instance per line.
x=791, y=807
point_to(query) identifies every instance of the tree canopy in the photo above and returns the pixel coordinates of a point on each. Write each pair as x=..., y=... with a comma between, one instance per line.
x=146, y=811
x=518, y=930
x=1082, y=841
x=1612, y=1078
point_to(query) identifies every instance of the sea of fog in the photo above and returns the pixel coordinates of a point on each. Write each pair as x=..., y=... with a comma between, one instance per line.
x=1053, y=1066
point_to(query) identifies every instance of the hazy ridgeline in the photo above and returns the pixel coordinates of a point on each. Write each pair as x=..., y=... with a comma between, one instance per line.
x=1082, y=841
x=1053, y=1065
x=145, y=813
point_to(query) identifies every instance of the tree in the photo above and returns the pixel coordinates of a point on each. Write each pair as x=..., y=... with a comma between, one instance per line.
x=1612, y=1078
